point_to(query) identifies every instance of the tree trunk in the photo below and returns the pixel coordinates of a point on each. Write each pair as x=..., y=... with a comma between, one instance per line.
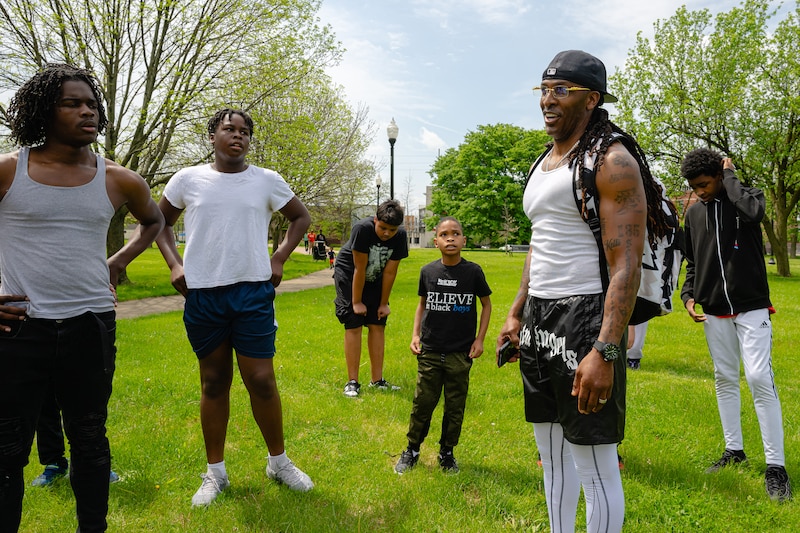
x=115, y=239
x=776, y=233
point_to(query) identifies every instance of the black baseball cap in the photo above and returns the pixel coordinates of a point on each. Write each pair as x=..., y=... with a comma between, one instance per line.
x=579, y=67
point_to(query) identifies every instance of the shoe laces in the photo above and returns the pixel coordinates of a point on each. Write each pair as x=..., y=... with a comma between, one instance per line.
x=729, y=457
x=407, y=456
x=776, y=478
x=293, y=477
x=211, y=484
x=290, y=474
x=447, y=459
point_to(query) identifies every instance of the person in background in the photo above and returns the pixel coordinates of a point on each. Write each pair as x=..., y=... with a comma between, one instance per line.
x=312, y=237
x=50, y=444
x=726, y=275
x=364, y=275
x=636, y=335
x=331, y=256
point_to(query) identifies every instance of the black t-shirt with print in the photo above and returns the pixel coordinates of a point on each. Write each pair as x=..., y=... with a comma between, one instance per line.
x=364, y=239
x=450, y=318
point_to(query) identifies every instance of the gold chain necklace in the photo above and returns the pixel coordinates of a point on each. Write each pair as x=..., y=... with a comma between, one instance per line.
x=547, y=167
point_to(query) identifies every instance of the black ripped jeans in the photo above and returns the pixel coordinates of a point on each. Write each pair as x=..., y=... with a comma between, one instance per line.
x=77, y=356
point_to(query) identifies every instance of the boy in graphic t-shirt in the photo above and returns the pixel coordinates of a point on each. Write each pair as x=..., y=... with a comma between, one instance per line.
x=364, y=275
x=445, y=343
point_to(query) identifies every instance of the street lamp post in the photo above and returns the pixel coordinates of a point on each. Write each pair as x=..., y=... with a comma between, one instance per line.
x=378, y=185
x=392, y=131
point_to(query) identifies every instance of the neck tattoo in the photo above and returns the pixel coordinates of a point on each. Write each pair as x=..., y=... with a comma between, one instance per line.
x=547, y=166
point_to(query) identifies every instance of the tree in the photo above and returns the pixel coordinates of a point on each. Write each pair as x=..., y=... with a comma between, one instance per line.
x=729, y=85
x=311, y=136
x=165, y=66
x=480, y=182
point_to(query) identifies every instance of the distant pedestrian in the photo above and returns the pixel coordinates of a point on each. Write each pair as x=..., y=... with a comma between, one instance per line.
x=230, y=293
x=312, y=237
x=331, y=256
x=445, y=343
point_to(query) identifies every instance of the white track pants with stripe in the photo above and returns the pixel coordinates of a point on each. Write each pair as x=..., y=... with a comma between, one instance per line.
x=746, y=337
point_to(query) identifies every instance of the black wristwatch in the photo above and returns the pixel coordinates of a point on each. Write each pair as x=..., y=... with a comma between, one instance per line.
x=610, y=352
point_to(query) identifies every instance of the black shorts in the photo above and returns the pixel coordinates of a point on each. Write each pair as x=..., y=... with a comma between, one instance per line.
x=555, y=336
x=370, y=296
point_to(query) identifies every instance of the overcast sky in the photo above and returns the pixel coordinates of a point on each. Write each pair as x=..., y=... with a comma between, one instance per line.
x=443, y=67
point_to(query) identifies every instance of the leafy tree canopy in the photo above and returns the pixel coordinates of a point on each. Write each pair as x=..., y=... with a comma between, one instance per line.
x=166, y=66
x=480, y=183
x=727, y=83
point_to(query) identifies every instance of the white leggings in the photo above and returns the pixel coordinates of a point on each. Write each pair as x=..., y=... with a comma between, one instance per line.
x=569, y=466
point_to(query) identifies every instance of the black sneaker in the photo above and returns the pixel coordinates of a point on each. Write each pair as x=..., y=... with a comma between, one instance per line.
x=407, y=461
x=382, y=384
x=447, y=461
x=777, y=482
x=351, y=388
x=634, y=364
x=729, y=457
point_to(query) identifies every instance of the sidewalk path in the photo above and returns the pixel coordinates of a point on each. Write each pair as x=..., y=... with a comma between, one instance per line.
x=166, y=304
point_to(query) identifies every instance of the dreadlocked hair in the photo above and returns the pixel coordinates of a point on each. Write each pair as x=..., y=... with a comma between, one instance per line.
x=596, y=140
x=32, y=108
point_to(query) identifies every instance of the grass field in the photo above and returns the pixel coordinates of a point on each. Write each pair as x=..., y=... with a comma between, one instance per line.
x=349, y=446
x=149, y=276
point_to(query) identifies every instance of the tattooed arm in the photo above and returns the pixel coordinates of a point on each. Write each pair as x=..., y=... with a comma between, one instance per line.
x=623, y=219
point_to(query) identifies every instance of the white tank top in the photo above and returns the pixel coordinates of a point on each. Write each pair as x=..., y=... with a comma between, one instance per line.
x=53, y=244
x=564, y=254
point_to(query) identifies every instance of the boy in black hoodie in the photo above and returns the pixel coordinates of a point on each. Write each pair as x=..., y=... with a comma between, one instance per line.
x=726, y=275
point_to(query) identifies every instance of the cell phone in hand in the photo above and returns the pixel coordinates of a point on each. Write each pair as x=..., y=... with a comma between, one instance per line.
x=506, y=352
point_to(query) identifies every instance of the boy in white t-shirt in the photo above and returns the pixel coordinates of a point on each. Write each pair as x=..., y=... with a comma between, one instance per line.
x=229, y=280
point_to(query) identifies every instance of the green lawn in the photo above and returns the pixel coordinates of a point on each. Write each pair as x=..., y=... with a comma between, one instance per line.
x=349, y=446
x=149, y=276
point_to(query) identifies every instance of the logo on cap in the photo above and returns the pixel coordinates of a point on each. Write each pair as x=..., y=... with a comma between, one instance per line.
x=551, y=72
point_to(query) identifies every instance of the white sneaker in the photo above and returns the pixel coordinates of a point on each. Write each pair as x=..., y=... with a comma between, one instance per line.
x=209, y=490
x=291, y=476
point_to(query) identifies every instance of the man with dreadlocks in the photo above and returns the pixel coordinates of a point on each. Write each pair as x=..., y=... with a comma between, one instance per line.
x=57, y=320
x=570, y=330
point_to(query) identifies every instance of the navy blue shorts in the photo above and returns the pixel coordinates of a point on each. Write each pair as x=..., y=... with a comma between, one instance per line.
x=243, y=312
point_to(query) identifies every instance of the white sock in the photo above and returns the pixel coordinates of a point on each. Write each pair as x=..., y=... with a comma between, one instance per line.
x=278, y=461
x=218, y=470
